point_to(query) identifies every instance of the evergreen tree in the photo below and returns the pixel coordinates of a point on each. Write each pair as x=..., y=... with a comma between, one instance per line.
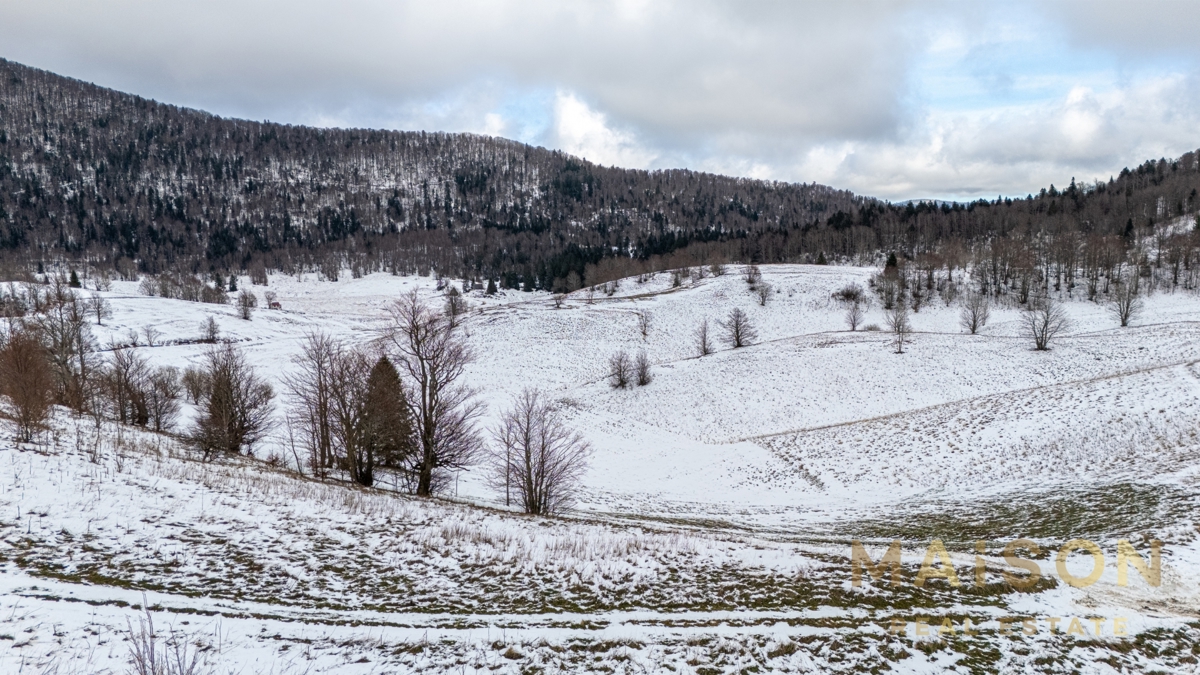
x=389, y=430
x=74, y=280
x=491, y=289
x=233, y=283
x=891, y=261
x=821, y=258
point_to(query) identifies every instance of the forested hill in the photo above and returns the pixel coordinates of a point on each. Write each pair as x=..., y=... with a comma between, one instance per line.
x=95, y=176
x=90, y=172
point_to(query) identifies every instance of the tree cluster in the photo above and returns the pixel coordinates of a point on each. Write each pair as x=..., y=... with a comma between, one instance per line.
x=351, y=410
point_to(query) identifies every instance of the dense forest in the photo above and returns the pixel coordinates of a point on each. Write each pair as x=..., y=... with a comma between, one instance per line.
x=104, y=180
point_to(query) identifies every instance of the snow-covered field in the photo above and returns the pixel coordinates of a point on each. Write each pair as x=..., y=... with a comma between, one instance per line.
x=715, y=525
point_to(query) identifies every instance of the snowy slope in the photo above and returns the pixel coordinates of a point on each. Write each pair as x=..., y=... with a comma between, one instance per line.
x=716, y=513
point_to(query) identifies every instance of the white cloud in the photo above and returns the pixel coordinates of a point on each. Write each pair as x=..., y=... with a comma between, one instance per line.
x=1084, y=135
x=494, y=125
x=894, y=98
x=581, y=131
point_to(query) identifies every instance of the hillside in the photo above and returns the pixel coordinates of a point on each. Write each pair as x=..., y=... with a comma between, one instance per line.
x=87, y=172
x=95, y=177
x=715, y=520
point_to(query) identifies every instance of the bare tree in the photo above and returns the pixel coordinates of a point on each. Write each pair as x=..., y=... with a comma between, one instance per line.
x=752, y=274
x=854, y=315
x=195, y=384
x=763, y=292
x=348, y=374
x=126, y=379
x=309, y=387
x=162, y=398
x=559, y=298
x=98, y=307
x=703, y=344
x=644, y=321
x=27, y=380
x=975, y=312
x=63, y=328
x=1124, y=302
x=537, y=459
x=246, y=303
x=898, y=325
x=1044, y=319
x=237, y=412
x=717, y=269
x=429, y=351
x=738, y=330
x=642, y=369
x=620, y=370
x=210, y=332
x=854, y=298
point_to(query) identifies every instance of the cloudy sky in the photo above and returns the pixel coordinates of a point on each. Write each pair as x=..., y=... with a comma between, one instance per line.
x=898, y=100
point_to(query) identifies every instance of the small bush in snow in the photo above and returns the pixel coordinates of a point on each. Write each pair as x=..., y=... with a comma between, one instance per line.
x=703, y=344
x=644, y=320
x=763, y=292
x=619, y=370
x=642, y=369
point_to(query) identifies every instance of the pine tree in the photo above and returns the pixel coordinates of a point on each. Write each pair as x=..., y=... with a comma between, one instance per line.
x=821, y=258
x=891, y=261
x=491, y=289
x=233, y=283
x=74, y=282
x=389, y=429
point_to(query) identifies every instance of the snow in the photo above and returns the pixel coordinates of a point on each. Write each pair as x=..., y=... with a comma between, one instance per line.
x=715, y=516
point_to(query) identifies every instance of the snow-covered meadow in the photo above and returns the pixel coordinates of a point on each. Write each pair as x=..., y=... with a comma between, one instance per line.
x=714, y=525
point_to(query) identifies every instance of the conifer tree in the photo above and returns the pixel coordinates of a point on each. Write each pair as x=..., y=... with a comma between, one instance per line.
x=389, y=429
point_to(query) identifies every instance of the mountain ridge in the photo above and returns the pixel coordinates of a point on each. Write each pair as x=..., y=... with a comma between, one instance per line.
x=92, y=176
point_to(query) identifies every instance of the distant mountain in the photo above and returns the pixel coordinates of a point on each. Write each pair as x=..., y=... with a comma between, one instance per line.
x=113, y=180
x=87, y=172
